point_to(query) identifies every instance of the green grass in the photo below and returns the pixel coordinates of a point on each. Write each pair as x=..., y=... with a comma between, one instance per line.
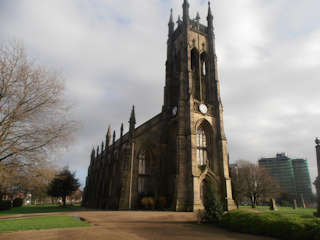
x=284, y=211
x=36, y=223
x=40, y=209
x=286, y=223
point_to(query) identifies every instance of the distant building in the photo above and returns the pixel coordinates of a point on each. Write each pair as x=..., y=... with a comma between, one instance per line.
x=302, y=177
x=281, y=169
x=233, y=167
x=76, y=197
x=291, y=174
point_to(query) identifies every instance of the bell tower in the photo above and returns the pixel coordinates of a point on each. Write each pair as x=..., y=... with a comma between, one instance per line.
x=192, y=102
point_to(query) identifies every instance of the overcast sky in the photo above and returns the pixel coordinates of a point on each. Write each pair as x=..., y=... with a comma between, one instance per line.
x=112, y=54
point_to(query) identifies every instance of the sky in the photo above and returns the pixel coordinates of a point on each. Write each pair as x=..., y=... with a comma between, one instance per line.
x=112, y=55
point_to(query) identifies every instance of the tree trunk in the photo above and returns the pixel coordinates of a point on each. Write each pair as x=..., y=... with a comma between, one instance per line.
x=64, y=200
x=237, y=203
x=253, y=202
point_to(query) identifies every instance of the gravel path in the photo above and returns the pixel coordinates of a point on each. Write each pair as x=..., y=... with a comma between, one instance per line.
x=130, y=225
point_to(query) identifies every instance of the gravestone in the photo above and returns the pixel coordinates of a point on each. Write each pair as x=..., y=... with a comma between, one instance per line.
x=294, y=204
x=302, y=203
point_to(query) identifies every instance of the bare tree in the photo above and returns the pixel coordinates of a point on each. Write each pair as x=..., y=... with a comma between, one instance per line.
x=238, y=188
x=37, y=179
x=33, y=113
x=254, y=183
x=17, y=178
x=9, y=180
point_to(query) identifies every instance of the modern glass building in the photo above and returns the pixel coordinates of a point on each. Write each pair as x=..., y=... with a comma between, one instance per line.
x=302, y=178
x=292, y=175
x=281, y=169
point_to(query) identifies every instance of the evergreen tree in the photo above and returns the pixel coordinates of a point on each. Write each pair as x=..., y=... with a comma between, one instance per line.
x=212, y=205
x=63, y=185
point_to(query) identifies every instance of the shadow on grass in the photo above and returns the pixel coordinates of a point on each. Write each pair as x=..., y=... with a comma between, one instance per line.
x=37, y=223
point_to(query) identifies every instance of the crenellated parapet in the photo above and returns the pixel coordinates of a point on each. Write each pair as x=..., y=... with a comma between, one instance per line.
x=192, y=24
x=198, y=27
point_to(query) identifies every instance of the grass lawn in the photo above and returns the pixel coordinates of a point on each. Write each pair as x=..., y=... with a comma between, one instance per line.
x=286, y=223
x=36, y=223
x=40, y=209
x=283, y=211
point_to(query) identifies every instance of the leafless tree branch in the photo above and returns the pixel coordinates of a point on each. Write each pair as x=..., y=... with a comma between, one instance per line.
x=33, y=112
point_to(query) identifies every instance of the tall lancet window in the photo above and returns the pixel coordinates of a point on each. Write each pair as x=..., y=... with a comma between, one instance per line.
x=143, y=172
x=195, y=73
x=201, y=147
x=194, y=60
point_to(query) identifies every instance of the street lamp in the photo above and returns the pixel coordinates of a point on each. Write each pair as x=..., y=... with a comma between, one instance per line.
x=317, y=181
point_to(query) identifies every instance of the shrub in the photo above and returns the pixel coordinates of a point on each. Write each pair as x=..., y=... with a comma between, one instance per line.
x=272, y=224
x=202, y=168
x=5, y=205
x=17, y=202
x=162, y=203
x=148, y=203
x=284, y=203
x=213, y=207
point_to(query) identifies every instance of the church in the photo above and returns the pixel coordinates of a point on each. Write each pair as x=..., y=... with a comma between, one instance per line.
x=172, y=157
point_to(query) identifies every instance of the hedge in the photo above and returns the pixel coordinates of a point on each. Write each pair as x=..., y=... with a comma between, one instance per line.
x=17, y=202
x=5, y=205
x=272, y=224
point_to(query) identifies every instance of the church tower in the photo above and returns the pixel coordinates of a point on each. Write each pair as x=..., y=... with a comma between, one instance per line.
x=192, y=103
x=171, y=159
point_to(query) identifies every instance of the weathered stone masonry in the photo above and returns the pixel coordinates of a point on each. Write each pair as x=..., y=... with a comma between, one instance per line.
x=175, y=154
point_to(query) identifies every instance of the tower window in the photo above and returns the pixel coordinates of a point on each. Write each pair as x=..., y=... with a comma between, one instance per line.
x=201, y=147
x=194, y=60
x=203, y=59
x=203, y=68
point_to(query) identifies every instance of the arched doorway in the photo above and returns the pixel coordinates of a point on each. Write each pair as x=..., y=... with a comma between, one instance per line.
x=203, y=186
x=209, y=184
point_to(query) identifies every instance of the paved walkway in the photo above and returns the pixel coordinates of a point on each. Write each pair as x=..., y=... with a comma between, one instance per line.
x=124, y=225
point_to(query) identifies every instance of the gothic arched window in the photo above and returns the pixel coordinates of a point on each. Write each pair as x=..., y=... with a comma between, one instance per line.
x=194, y=59
x=143, y=172
x=201, y=147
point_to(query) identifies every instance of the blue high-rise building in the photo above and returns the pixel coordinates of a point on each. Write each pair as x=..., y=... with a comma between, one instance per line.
x=291, y=174
x=302, y=178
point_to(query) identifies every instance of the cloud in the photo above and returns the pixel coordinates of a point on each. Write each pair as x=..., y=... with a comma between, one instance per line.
x=112, y=54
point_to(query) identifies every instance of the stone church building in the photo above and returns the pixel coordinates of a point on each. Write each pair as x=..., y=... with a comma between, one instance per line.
x=174, y=155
